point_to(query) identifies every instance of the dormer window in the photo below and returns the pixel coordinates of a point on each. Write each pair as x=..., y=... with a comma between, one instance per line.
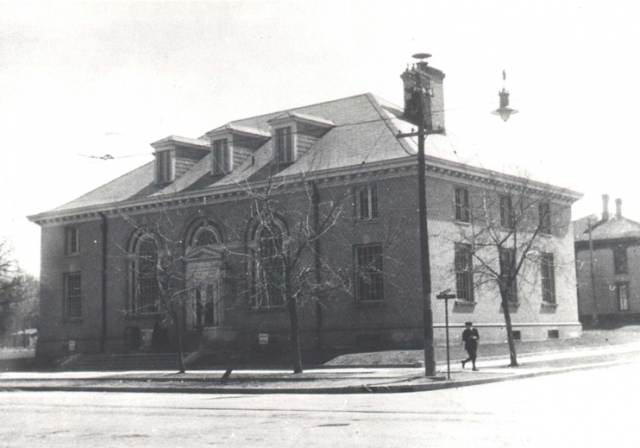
x=294, y=134
x=221, y=156
x=232, y=144
x=164, y=167
x=285, y=152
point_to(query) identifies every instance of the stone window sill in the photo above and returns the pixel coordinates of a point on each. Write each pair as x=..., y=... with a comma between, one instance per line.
x=464, y=304
x=549, y=305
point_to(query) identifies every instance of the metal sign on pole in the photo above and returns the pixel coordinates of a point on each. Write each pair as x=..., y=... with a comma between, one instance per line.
x=445, y=295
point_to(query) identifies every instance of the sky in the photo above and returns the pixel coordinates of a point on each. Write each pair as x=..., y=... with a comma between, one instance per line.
x=82, y=80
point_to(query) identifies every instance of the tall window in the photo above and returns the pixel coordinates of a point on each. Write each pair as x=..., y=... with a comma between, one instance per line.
x=221, y=156
x=72, y=242
x=623, y=296
x=508, y=276
x=507, y=218
x=620, y=264
x=544, y=213
x=269, y=268
x=284, y=145
x=164, y=167
x=145, y=276
x=462, y=205
x=464, y=272
x=73, y=295
x=212, y=304
x=369, y=273
x=367, y=202
x=548, y=280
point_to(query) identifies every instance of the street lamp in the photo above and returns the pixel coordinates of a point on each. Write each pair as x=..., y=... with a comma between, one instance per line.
x=504, y=110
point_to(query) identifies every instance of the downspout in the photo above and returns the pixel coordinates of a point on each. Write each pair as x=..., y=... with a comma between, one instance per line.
x=317, y=262
x=104, y=227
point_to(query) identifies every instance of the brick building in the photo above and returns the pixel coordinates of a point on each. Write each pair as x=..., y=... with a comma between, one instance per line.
x=607, y=266
x=100, y=252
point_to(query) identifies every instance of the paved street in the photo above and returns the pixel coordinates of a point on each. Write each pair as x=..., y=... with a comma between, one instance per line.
x=583, y=408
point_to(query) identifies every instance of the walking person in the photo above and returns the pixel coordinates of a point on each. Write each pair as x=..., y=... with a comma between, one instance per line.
x=470, y=337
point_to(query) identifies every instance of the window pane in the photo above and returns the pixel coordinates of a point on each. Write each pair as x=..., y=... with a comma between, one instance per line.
x=221, y=156
x=369, y=278
x=507, y=272
x=623, y=296
x=146, y=291
x=72, y=240
x=284, y=145
x=464, y=272
x=364, y=204
x=620, y=260
x=373, y=190
x=269, y=267
x=544, y=212
x=548, y=278
x=74, y=295
x=462, y=205
x=506, y=213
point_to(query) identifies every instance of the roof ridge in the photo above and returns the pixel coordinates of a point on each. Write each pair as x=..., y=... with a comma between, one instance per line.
x=282, y=111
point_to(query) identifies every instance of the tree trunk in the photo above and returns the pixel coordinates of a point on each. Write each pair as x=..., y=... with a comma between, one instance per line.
x=507, y=320
x=295, y=342
x=177, y=320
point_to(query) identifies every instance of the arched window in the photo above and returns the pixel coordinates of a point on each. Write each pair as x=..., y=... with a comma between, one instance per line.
x=204, y=233
x=269, y=267
x=144, y=275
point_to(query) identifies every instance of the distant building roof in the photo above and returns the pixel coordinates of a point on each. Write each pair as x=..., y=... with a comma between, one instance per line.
x=614, y=228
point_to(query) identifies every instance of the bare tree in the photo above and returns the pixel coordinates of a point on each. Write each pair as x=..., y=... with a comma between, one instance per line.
x=500, y=241
x=18, y=294
x=160, y=283
x=284, y=260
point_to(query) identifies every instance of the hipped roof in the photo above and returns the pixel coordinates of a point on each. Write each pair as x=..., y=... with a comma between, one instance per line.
x=364, y=132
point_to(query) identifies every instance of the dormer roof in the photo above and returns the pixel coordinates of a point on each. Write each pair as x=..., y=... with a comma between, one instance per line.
x=304, y=118
x=175, y=140
x=245, y=131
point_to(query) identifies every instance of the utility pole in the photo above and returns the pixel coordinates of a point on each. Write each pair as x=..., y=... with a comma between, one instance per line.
x=425, y=128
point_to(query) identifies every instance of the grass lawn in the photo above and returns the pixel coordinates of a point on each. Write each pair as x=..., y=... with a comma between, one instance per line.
x=590, y=338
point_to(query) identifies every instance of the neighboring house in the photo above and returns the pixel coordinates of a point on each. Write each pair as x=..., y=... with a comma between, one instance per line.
x=101, y=252
x=608, y=266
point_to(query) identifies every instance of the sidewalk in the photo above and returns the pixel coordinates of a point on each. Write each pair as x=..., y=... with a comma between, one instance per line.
x=326, y=380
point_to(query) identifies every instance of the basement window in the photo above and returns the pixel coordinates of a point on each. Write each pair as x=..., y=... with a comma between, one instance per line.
x=553, y=334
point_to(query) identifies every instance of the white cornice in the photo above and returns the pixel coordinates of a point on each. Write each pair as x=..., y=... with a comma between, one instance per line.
x=435, y=167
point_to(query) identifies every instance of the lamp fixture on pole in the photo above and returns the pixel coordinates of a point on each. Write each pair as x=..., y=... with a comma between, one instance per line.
x=504, y=110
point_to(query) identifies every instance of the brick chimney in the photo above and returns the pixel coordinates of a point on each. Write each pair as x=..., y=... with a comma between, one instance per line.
x=618, y=208
x=605, y=207
x=430, y=79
